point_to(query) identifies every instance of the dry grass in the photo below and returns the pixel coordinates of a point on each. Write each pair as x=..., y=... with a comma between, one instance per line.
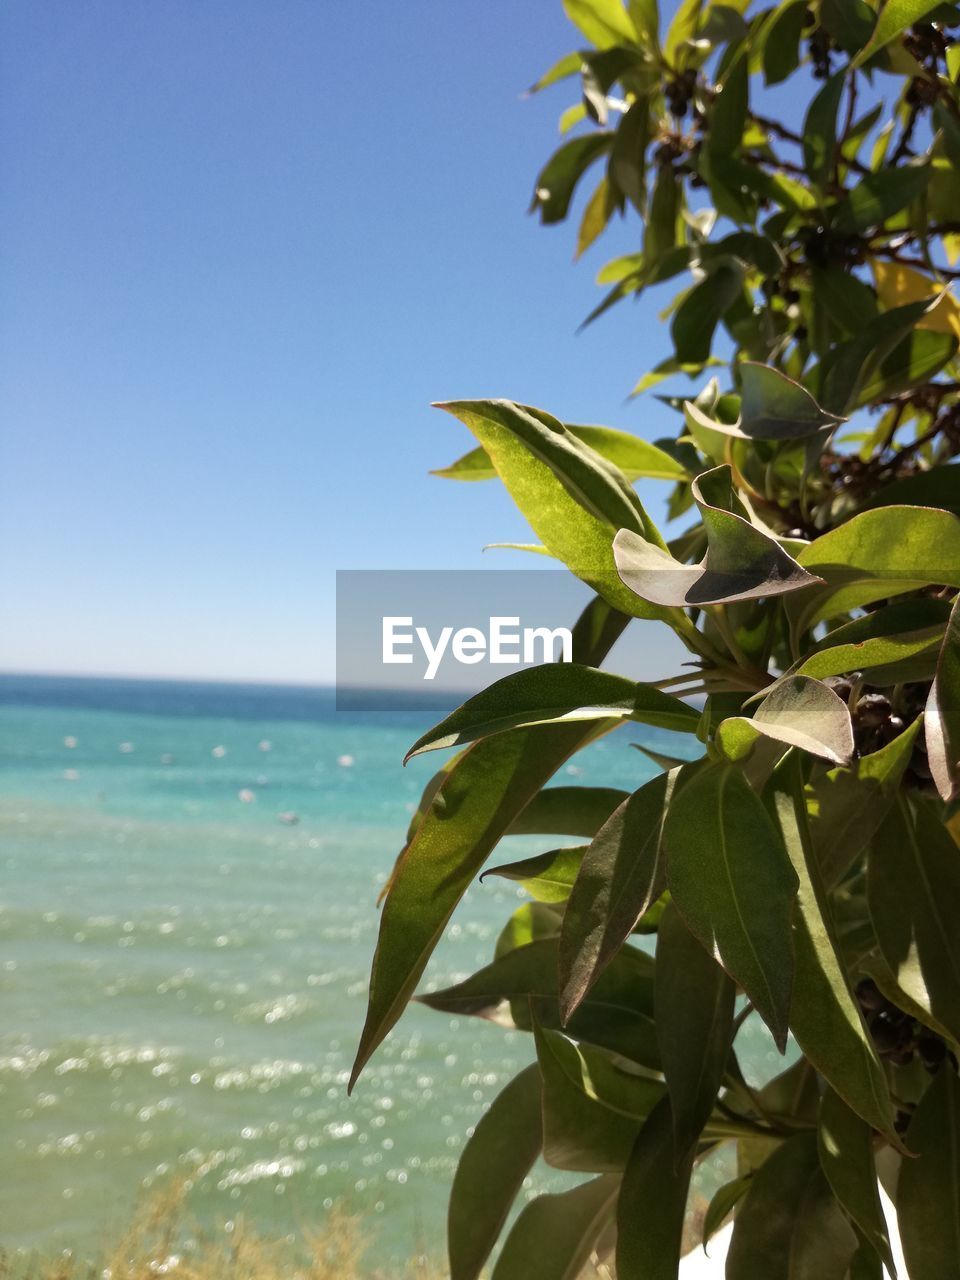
x=161, y=1241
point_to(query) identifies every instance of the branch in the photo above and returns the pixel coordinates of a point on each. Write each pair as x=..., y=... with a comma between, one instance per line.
x=903, y=146
x=781, y=131
x=920, y=264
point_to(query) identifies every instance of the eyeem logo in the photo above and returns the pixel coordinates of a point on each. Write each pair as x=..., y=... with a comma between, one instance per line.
x=502, y=644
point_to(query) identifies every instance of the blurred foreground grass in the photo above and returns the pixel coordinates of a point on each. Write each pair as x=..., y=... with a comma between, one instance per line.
x=161, y=1241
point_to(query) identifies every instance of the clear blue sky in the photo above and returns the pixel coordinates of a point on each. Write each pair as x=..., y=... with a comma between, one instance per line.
x=243, y=244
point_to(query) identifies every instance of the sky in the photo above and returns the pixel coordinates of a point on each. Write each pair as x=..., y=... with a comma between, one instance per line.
x=245, y=243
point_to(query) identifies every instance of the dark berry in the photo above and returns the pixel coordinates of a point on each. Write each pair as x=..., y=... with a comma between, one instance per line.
x=870, y=997
x=931, y=1049
x=872, y=710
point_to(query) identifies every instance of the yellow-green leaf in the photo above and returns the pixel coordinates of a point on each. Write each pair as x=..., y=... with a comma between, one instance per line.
x=494, y=1163
x=928, y=1191
x=554, y=692
x=824, y=1017
x=693, y=1003
x=734, y=885
x=556, y=1233
x=846, y=1157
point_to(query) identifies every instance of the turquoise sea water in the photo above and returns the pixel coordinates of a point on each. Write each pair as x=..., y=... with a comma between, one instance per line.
x=183, y=974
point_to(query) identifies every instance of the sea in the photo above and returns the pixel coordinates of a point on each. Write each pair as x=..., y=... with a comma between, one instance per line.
x=188, y=911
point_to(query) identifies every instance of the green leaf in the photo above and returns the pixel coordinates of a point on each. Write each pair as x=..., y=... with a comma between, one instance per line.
x=555, y=1234
x=728, y=112
x=847, y=366
x=846, y=1157
x=698, y=315
x=938, y=487
x=794, y=1094
x=722, y=1205
x=572, y=497
x=652, y=1202
x=738, y=175
x=928, y=1191
x=742, y=561
x=849, y=804
x=596, y=215
x=789, y=1226
x=781, y=50
x=775, y=407
x=659, y=758
x=571, y=117
x=605, y=23
x=558, y=179
x=531, y=922
x=895, y=17
x=914, y=361
x=636, y=458
x=904, y=617
x=941, y=718
x=949, y=128
x=495, y=1161
x=847, y=301
x=554, y=692
x=626, y=267
x=879, y=553
x=798, y=711
x=667, y=369
x=628, y=158
x=548, y=877
x=880, y=195
x=592, y=1109
x=770, y=409
x=891, y=643
x=824, y=1018
x=567, y=811
x=861, y=129
x=732, y=882
x=820, y=130
x=850, y=22
x=568, y=65
x=646, y=19
x=866, y=1265
x=873, y=965
x=913, y=887
x=660, y=225
x=620, y=878
x=617, y=1013
x=751, y=248
x=476, y=800
x=693, y=1004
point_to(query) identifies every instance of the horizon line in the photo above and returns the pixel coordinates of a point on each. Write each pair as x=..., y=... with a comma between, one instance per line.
x=254, y=681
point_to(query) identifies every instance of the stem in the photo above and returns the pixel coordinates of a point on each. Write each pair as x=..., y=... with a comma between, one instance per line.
x=722, y=621
x=715, y=1128
x=949, y=273
x=687, y=678
x=741, y=1018
x=748, y=678
x=780, y=131
x=903, y=146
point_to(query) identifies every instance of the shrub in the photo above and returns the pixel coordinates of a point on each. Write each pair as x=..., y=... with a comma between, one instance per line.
x=805, y=869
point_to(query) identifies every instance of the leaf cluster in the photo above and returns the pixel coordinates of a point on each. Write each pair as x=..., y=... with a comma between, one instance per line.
x=803, y=869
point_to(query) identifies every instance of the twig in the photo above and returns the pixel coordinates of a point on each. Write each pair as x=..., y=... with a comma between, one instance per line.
x=838, y=155
x=949, y=273
x=906, y=138
x=851, y=108
x=909, y=449
x=781, y=131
